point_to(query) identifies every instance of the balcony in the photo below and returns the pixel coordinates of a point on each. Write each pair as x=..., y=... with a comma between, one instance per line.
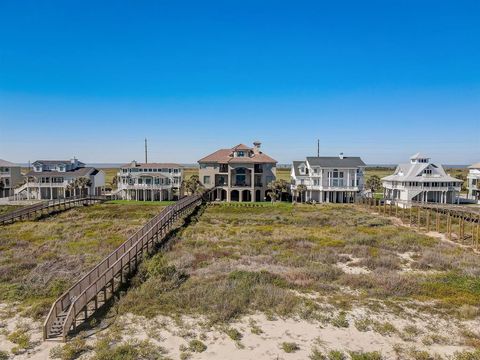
x=221, y=180
x=223, y=168
x=241, y=184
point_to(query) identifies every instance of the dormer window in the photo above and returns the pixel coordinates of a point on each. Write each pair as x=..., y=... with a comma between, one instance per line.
x=240, y=153
x=427, y=171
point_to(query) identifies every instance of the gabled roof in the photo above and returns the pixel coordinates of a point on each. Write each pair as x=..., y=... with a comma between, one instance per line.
x=296, y=165
x=225, y=156
x=56, y=162
x=418, y=156
x=414, y=172
x=473, y=166
x=150, y=165
x=78, y=172
x=241, y=147
x=335, y=161
x=7, y=163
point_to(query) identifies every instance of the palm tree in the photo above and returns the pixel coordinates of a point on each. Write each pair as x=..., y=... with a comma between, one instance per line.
x=282, y=187
x=83, y=183
x=302, y=189
x=193, y=185
x=374, y=183
x=272, y=187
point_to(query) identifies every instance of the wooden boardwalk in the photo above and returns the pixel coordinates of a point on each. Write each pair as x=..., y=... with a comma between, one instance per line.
x=459, y=223
x=47, y=207
x=99, y=285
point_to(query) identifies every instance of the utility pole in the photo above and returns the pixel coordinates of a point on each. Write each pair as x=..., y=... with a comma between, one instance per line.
x=318, y=147
x=146, y=152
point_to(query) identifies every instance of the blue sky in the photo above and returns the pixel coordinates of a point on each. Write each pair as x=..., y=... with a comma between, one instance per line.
x=378, y=79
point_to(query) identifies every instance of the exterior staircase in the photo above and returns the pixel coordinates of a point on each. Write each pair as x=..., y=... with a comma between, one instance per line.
x=98, y=286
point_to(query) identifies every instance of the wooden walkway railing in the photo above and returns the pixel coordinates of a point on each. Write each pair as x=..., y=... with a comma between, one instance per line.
x=46, y=207
x=459, y=223
x=100, y=284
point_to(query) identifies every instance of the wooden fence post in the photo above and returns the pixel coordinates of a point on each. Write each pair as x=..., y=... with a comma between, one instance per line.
x=419, y=217
x=428, y=220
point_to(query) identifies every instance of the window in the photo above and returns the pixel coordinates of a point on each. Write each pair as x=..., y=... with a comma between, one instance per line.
x=206, y=179
x=335, y=178
x=240, y=153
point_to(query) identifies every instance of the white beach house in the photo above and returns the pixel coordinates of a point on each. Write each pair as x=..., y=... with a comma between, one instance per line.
x=334, y=179
x=420, y=180
x=473, y=179
x=149, y=181
x=57, y=179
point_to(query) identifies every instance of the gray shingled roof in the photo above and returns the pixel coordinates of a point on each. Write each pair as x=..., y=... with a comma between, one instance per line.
x=335, y=161
x=56, y=162
x=79, y=172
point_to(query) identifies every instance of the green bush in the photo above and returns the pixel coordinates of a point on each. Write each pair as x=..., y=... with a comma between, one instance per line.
x=69, y=351
x=336, y=355
x=20, y=337
x=340, y=320
x=197, y=346
x=290, y=347
x=375, y=355
x=234, y=334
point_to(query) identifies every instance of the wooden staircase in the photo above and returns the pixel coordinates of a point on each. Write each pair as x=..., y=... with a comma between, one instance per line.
x=99, y=285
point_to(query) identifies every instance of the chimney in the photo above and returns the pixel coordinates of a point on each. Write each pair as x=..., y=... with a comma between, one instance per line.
x=256, y=146
x=341, y=155
x=133, y=163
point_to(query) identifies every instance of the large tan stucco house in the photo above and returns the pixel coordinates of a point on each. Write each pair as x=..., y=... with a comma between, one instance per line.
x=240, y=173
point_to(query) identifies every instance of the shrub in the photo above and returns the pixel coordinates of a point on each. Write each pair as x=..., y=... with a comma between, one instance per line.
x=385, y=328
x=340, y=320
x=130, y=350
x=316, y=355
x=20, y=337
x=366, y=355
x=336, y=355
x=420, y=355
x=3, y=355
x=290, y=347
x=234, y=334
x=70, y=350
x=197, y=346
x=467, y=355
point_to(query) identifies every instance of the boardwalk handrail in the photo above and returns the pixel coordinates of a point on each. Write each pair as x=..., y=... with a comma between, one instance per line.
x=27, y=210
x=79, y=294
